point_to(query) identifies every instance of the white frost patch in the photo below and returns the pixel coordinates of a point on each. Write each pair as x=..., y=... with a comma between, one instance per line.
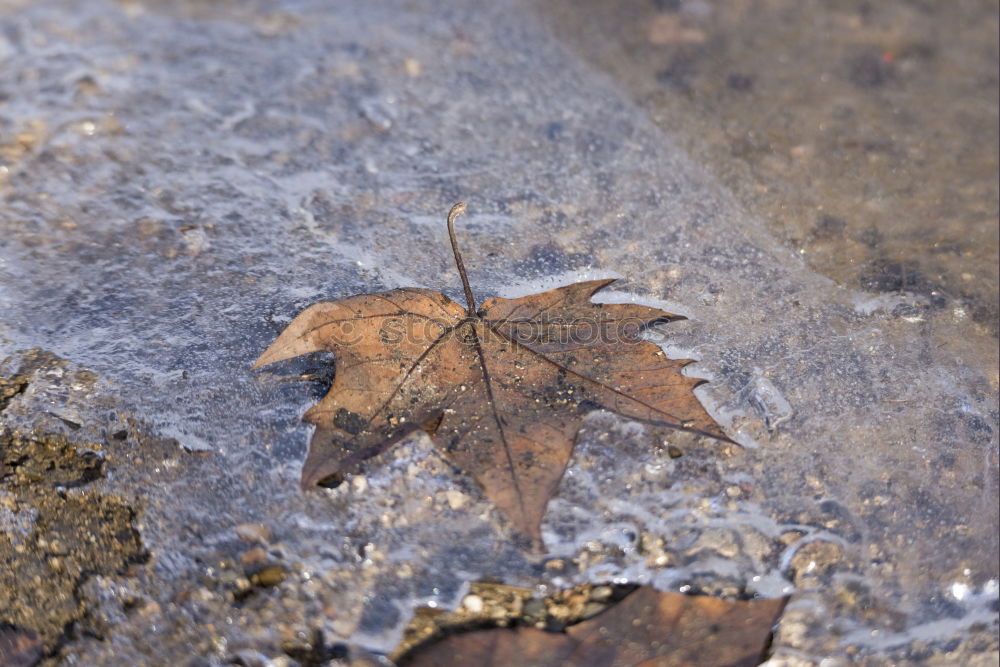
x=867, y=305
x=671, y=307
x=773, y=407
x=980, y=609
x=518, y=289
x=727, y=418
x=872, y=304
x=190, y=442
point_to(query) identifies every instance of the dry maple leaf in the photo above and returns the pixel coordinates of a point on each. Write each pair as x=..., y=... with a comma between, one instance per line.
x=501, y=389
x=646, y=628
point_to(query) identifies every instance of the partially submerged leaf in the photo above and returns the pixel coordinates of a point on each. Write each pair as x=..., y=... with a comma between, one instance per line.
x=646, y=628
x=501, y=390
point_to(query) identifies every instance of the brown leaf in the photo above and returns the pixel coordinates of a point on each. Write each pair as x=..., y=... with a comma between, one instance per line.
x=646, y=628
x=501, y=390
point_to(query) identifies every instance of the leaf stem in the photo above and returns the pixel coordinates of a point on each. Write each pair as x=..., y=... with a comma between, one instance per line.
x=457, y=210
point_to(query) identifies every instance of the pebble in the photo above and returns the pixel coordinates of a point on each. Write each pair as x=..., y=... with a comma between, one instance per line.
x=150, y=608
x=456, y=499
x=359, y=484
x=556, y=565
x=473, y=604
x=815, y=560
x=791, y=537
x=534, y=609
x=413, y=67
x=253, y=532
x=721, y=541
x=270, y=576
x=254, y=556
x=600, y=593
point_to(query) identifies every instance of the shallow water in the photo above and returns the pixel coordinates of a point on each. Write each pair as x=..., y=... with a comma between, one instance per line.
x=181, y=179
x=863, y=135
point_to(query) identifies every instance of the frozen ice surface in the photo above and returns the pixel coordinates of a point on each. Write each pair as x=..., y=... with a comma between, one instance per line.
x=180, y=179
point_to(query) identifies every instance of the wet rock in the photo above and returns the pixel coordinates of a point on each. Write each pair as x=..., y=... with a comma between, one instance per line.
x=815, y=562
x=71, y=538
x=720, y=541
x=492, y=605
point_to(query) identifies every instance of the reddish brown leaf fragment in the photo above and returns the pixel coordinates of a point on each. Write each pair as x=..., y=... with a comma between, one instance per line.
x=649, y=627
x=524, y=647
x=646, y=628
x=501, y=390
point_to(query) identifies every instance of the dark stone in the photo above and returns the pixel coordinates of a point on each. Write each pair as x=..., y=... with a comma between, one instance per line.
x=351, y=422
